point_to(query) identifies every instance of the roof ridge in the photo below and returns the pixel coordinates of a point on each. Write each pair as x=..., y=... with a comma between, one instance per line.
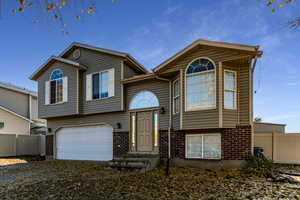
x=17, y=88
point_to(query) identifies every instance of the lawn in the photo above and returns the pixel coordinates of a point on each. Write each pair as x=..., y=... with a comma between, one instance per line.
x=88, y=180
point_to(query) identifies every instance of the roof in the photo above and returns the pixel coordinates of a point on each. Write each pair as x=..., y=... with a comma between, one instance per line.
x=251, y=49
x=12, y=112
x=142, y=78
x=42, y=68
x=17, y=88
x=264, y=127
x=127, y=56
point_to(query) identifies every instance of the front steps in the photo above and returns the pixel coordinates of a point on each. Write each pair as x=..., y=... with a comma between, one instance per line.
x=135, y=162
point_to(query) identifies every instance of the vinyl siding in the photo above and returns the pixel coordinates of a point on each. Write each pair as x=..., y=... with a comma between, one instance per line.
x=13, y=124
x=107, y=118
x=97, y=62
x=15, y=101
x=34, y=108
x=66, y=108
x=210, y=118
x=160, y=89
x=129, y=71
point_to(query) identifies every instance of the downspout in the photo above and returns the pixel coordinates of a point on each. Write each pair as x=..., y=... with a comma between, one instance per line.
x=169, y=128
x=252, y=69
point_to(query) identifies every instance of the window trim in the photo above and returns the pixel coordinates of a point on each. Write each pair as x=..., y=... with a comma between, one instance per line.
x=99, y=72
x=199, y=108
x=176, y=97
x=202, y=136
x=227, y=90
x=56, y=88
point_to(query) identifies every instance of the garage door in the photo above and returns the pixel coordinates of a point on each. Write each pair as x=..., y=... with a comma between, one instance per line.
x=85, y=143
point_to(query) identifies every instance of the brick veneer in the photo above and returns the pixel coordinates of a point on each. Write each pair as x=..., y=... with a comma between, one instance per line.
x=236, y=142
x=120, y=143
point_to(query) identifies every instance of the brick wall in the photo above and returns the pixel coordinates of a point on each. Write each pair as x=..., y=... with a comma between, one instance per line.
x=236, y=142
x=120, y=143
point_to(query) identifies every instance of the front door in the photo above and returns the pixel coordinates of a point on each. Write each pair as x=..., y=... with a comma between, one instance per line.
x=144, y=131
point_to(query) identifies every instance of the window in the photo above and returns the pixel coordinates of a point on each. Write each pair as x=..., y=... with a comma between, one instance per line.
x=204, y=146
x=176, y=97
x=200, y=85
x=155, y=129
x=133, y=132
x=230, y=89
x=56, y=87
x=144, y=99
x=100, y=85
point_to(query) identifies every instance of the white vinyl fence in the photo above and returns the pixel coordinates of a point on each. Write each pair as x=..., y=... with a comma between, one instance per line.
x=21, y=145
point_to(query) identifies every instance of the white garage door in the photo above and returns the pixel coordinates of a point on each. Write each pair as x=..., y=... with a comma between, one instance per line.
x=85, y=143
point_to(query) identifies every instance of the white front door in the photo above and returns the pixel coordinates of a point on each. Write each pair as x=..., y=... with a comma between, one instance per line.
x=85, y=143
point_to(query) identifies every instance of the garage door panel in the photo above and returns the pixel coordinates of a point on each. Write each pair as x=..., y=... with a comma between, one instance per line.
x=85, y=143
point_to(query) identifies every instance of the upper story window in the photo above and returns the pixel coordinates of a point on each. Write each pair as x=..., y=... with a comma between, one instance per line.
x=176, y=97
x=144, y=99
x=56, y=88
x=230, y=90
x=100, y=85
x=200, y=85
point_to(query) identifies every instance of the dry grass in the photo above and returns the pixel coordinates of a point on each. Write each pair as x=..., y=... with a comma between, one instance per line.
x=11, y=161
x=88, y=180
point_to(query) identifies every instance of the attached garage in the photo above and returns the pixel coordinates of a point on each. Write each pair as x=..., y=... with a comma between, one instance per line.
x=85, y=143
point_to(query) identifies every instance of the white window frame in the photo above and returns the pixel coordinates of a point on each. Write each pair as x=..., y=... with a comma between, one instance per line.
x=197, y=108
x=228, y=90
x=202, y=151
x=56, y=88
x=99, y=72
x=176, y=97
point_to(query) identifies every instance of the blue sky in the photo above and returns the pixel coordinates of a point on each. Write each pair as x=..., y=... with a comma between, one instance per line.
x=154, y=30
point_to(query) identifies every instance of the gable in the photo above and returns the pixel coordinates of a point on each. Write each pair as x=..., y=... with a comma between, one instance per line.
x=50, y=62
x=68, y=53
x=216, y=51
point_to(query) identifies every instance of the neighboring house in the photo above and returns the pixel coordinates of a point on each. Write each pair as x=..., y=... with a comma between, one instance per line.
x=18, y=109
x=100, y=103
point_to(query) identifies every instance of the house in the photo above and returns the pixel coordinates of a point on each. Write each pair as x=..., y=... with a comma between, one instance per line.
x=18, y=109
x=195, y=107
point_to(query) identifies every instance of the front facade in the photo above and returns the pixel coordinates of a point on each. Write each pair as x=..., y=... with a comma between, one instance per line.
x=195, y=106
x=18, y=109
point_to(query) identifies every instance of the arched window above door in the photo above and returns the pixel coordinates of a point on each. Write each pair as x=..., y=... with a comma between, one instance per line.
x=144, y=99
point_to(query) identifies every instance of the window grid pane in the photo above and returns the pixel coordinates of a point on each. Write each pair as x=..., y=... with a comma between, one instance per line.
x=203, y=146
x=201, y=90
x=104, y=84
x=96, y=82
x=229, y=90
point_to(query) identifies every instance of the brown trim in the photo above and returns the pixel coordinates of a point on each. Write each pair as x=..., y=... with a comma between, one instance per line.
x=142, y=78
x=144, y=109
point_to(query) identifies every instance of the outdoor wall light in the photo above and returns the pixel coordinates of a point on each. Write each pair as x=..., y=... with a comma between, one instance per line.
x=49, y=130
x=162, y=110
x=119, y=125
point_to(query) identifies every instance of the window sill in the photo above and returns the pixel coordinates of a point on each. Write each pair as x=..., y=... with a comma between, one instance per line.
x=204, y=159
x=199, y=109
x=53, y=104
x=230, y=108
x=92, y=100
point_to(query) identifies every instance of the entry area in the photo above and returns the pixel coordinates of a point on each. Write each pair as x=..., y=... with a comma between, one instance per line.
x=85, y=143
x=144, y=123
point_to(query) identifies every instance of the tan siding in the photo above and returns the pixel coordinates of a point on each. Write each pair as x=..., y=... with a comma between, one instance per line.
x=34, y=108
x=15, y=101
x=129, y=71
x=67, y=108
x=96, y=62
x=202, y=118
x=160, y=89
x=244, y=94
x=108, y=118
x=13, y=124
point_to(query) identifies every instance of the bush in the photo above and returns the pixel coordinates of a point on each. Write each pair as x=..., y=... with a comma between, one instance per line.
x=260, y=166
